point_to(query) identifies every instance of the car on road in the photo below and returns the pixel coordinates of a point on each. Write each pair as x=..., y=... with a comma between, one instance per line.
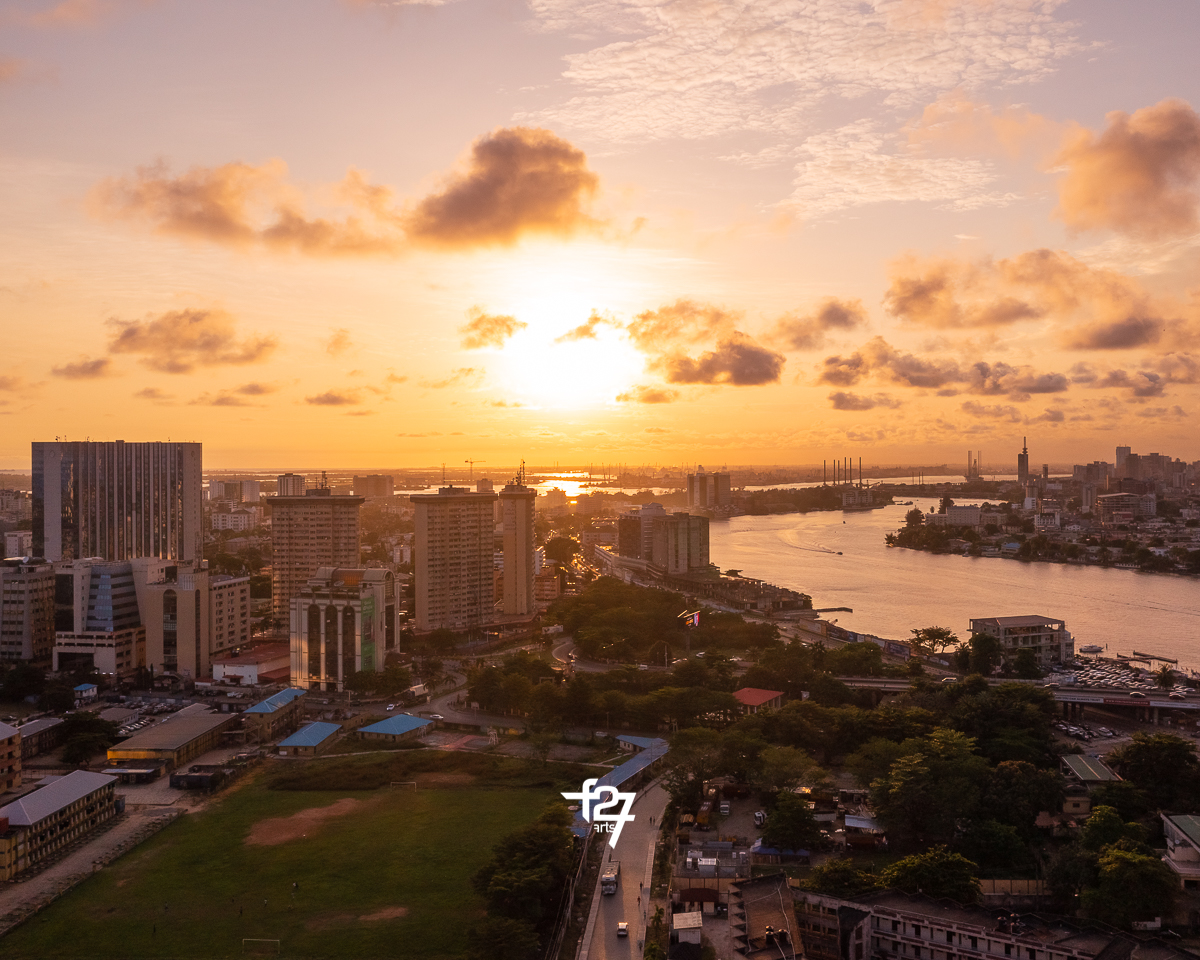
x=622, y=928
x=949, y=679
x=391, y=707
x=760, y=817
x=436, y=716
x=1140, y=696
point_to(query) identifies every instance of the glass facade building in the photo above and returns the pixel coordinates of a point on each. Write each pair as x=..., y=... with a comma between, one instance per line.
x=117, y=500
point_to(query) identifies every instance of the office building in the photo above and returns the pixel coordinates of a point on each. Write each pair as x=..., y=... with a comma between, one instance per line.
x=680, y=544
x=375, y=485
x=309, y=532
x=1023, y=462
x=27, y=612
x=707, y=491
x=1047, y=638
x=516, y=512
x=18, y=543
x=96, y=618
x=10, y=757
x=290, y=485
x=343, y=621
x=1125, y=507
x=116, y=500
x=452, y=558
x=635, y=531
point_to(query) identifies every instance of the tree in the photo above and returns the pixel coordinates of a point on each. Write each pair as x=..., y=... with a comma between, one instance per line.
x=784, y=768
x=1131, y=887
x=695, y=756
x=1105, y=827
x=914, y=518
x=996, y=844
x=986, y=654
x=1018, y=791
x=84, y=735
x=840, y=878
x=1025, y=665
x=1164, y=766
x=502, y=938
x=1165, y=677
x=933, y=639
x=561, y=549
x=791, y=825
x=935, y=873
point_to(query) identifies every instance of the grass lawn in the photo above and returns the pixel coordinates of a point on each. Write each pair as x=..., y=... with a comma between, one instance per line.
x=197, y=889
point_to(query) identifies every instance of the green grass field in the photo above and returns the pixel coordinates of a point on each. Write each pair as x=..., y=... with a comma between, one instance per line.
x=197, y=889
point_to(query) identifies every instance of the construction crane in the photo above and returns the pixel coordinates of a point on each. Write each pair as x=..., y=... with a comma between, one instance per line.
x=471, y=473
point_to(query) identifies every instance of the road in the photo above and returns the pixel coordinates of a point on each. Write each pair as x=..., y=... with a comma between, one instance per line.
x=634, y=850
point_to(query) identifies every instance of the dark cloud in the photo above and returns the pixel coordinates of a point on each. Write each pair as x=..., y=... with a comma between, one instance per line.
x=1143, y=383
x=644, y=394
x=1048, y=416
x=844, y=371
x=335, y=398
x=488, y=329
x=1163, y=413
x=1000, y=378
x=1139, y=176
x=807, y=332
x=946, y=293
x=841, y=400
x=515, y=181
x=181, y=340
x=1118, y=335
x=85, y=369
x=737, y=360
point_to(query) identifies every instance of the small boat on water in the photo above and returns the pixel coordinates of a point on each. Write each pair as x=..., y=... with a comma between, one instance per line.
x=1091, y=648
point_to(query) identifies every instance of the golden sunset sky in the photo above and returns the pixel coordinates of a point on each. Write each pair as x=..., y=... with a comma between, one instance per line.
x=397, y=233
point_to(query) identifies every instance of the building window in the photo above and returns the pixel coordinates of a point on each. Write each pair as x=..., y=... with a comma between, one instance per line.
x=170, y=629
x=331, y=643
x=314, y=641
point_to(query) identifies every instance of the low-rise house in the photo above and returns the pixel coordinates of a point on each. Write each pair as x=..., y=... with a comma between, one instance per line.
x=310, y=740
x=1089, y=771
x=40, y=736
x=266, y=663
x=753, y=699
x=397, y=728
x=53, y=816
x=1183, y=849
x=278, y=714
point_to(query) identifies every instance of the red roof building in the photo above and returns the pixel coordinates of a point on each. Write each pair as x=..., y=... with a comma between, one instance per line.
x=752, y=699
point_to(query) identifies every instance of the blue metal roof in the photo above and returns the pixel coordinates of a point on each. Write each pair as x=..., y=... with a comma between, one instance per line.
x=312, y=735
x=644, y=742
x=619, y=776
x=84, y=687
x=277, y=701
x=401, y=723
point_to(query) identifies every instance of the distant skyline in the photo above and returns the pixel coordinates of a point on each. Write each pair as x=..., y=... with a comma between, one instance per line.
x=392, y=234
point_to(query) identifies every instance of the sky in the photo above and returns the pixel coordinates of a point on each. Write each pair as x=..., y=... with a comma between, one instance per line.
x=398, y=234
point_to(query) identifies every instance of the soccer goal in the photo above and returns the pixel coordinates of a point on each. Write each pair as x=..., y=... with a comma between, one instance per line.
x=260, y=946
x=403, y=784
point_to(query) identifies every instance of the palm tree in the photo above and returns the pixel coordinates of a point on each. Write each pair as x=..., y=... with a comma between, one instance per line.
x=1165, y=677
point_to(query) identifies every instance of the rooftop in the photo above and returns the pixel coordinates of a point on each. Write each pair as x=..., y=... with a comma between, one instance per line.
x=51, y=798
x=6, y=731
x=277, y=701
x=36, y=726
x=261, y=654
x=754, y=697
x=1189, y=825
x=312, y=735
x=173, y=733
x=1088, y=769
x=688, y=921
x=401, y=723
x=1030, y=620
x=645, y=743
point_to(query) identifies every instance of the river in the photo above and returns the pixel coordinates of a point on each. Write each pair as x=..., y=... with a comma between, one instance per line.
x=893, y=590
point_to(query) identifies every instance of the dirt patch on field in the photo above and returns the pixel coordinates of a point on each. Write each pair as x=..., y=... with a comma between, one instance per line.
x=445, y=779
x=387, y=913
x=269, y=833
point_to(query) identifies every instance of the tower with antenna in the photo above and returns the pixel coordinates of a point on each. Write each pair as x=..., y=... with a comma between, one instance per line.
x=1023, y=462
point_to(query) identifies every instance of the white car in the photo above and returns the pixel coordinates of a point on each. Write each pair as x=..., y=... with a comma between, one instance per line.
x=622, y=928
x=391, y=707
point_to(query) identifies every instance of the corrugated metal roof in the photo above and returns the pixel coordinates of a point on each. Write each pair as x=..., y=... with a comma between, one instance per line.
x=688, y=921
x=619, y=776
x=53, y=797
x=862, y=823
x=1188, y=824
x=643, y=742
x=401, y=723
x=277, y=701
x=756, y=696
x=1089, y=769
x=312, y=735
x=6, y=731
x=171, y=734
x=83, y=687
x=37, y=726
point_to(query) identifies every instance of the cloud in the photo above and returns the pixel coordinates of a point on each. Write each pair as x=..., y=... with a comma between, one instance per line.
x=85, y=369
x=807, y=331
x=392, y=379
x=993, y=412
x=1048, y=416
x=1140, y=176
x=504, y=403
x=1163, y=413
x=74, y=13
x=587, y=329
x=737, y=360
x=934, y=293
x=957, y=123
x=462, y=375
x=417, y=436
x=181, y=340
x=515, y=182
x=645, y=394
x=235, y=396
x=1142, y=383
x=656, y=430
x=1118, y=335
x=10, y=383
x=488, y=330
x=339, y=342
x=153, y=393
x=841, y=400
x=335, y=398
x=683, y=322
x=11, y=68
x=695, y=71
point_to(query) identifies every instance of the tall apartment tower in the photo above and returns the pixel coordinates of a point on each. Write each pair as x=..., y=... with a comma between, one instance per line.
x=452, y=557
x=707, y=490
x=290, y=485
x=26, y=612
x=116, y=500
x=375, y=485
x=307, y=533
x=1023, y=462
x=516, y=512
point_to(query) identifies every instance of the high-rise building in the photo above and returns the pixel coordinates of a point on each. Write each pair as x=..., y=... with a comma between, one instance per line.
x=116, y=500
x=1122, y=455
x=342, y=622
x=708, y=490
x=452, y=558
x=97, y=622
x=635, y=531
x=375, y=485
x=1023, y=462
x=27, y=612
x=290, y=485
x=307, y=533
x=680, y=543
x=516, y=512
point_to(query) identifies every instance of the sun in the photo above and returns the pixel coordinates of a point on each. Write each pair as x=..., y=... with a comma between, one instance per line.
x=544, y=364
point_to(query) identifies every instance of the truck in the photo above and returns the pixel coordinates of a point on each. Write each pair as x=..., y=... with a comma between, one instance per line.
x=608, y=879
x=703, y=814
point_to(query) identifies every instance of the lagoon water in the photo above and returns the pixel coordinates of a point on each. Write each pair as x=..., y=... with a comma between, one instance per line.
x=892, y=590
